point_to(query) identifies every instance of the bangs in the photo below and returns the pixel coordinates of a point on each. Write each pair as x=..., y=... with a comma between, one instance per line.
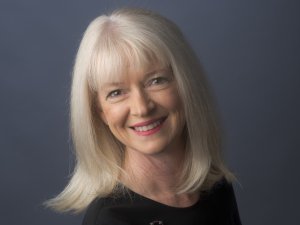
x=113, y=57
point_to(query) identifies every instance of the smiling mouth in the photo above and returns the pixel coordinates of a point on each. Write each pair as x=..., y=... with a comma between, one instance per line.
x=150, y=126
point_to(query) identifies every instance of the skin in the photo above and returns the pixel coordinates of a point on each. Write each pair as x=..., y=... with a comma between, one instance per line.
x=141, y=96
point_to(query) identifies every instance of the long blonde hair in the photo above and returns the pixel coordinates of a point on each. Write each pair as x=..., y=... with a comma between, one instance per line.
x=111, y=42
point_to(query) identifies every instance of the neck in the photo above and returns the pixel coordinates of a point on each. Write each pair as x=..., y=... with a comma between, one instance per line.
x=152, y=174
x=157, y=176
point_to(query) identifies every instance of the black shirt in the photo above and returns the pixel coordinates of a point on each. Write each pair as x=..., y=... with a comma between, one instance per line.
x=215, y=207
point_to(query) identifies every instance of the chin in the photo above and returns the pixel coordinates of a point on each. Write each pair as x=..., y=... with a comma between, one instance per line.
x=150, y=150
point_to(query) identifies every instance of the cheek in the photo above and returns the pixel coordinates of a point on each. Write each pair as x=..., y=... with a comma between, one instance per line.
x=114, y=115
x=173, y=103
x=170, y=100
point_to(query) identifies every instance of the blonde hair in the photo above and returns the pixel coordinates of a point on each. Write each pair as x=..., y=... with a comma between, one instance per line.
x=137, y=37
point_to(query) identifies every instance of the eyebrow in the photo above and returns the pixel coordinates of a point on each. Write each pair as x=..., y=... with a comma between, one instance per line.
x=147, y=75
x=111, y=84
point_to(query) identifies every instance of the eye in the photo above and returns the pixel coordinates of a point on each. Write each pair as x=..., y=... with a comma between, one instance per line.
x=158, y=81
x=114, y=94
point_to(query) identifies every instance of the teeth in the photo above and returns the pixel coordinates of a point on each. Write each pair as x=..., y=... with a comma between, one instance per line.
x=148, y=127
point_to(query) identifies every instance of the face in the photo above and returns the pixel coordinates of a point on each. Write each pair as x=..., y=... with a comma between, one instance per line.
x=143, y=111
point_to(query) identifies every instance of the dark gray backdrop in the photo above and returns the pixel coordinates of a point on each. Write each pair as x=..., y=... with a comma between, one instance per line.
x=250, y=50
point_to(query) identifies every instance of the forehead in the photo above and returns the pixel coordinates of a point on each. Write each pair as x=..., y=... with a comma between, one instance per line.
x=118, y=68
x=113, y=59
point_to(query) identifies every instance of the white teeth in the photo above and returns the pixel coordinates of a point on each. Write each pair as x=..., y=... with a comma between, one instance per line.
x=148, y=127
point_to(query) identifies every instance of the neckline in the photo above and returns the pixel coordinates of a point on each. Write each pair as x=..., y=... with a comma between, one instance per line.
x=132, y=195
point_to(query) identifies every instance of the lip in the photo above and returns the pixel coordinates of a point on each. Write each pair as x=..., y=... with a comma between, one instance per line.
x=147, y=122
x=149, y=132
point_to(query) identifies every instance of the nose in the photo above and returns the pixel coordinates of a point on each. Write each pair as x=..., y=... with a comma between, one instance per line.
x=141, y=104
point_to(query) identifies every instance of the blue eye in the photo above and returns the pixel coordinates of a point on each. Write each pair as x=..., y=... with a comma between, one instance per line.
x=158, y=80
x=114, y=94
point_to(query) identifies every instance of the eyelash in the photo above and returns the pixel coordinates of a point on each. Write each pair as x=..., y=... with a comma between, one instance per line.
x=154, y=81
x=113, y=94
x=158, y=80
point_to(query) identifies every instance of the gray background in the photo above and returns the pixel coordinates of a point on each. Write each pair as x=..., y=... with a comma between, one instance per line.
x=250, y=51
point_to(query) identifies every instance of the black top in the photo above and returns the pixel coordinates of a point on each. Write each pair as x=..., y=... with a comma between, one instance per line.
x=215, y=207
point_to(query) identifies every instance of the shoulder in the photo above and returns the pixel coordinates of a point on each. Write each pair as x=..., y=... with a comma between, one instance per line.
x=221, y=192
x=221, y=199
x=92, y=211
x=96, y=213
x=101, y=211
x=222, y=188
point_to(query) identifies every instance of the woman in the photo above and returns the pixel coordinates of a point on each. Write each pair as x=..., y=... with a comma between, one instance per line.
x=145, y=134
